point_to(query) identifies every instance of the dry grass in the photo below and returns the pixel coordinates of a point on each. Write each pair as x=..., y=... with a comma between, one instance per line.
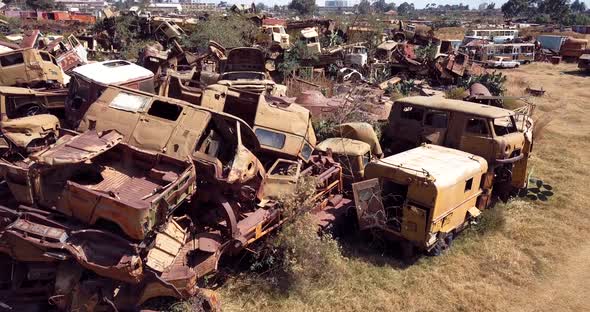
x=534, y=32
x=534, y=257
x=448, y=33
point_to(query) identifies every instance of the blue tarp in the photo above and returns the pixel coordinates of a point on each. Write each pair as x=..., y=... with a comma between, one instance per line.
x=551, y=42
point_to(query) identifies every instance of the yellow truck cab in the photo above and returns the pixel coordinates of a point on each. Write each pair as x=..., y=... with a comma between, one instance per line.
x=89, y=81
x=422, y=197
x=284, y=129
x=353, y=156
x=501, y=136
x=30, y=68
x=22, y=129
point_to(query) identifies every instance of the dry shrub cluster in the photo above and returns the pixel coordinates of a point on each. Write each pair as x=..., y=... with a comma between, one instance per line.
x=316, y=82
x=457, y=93
x=450, y=33
x=297, y=257
x=307, y=256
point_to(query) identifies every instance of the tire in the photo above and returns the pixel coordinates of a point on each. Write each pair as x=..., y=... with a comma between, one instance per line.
x=31, y=110
x=399, y=37
x=407, y=250
x=449, y=240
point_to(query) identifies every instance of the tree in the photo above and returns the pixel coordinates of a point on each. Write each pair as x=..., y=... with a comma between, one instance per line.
x=231, y=31
x=364, y=7
x=261, y=7
x=303, y=7
x=514, y=8
x=491, y=6
x=557, y=9
x=405, y=8
x=382, y=6
x=40, y=4
x=578, y=6
x=482, y=6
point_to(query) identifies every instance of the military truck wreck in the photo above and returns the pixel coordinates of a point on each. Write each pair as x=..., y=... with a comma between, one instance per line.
x=25, y=126
x=423, y=197
x=502, y=137
x=99, y=218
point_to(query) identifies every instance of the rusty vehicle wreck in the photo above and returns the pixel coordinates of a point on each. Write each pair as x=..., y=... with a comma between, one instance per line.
x=146, y=200
x=143, y=165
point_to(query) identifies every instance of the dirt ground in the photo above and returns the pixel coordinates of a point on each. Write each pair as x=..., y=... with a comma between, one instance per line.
x=532, y=255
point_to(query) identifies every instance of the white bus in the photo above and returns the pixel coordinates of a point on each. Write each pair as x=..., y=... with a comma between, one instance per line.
x=495, y=35
x=524, y=53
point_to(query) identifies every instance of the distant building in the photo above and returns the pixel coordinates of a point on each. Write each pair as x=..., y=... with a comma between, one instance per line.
x=197, y=5
x=165, y=8
x=335, y=6
x=82, y=5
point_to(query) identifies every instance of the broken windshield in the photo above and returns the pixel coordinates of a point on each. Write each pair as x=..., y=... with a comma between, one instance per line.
x=504, y=125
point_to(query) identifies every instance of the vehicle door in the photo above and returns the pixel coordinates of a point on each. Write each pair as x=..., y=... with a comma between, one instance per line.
x=117, y=110
x=434, y=127
x=515, y=52
x=369, y=205
x=50, y=67
x=80, y=49
x=408, y=125
x=477, y=138
x=156, y=126
x=189, y=129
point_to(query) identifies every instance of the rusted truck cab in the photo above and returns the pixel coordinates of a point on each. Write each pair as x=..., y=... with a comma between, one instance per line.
x=30, y=68
x=95, y=179
x=89, y=81
x=244, y=69
x=502, y=137
x=284, y=129
x=423, y=196
x=25, y=127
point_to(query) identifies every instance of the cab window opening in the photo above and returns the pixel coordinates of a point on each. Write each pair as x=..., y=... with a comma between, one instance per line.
x=476, y=126
x=165, y=110
x=412, y=113
x=504, y=125
x=436, y=120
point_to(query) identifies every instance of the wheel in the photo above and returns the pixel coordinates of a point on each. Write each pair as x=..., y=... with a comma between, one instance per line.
x=399, y=37
x=449, y=240
x=407, y=250
x=31, y=110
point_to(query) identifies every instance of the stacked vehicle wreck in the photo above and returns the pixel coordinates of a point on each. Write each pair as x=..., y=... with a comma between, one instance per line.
x=149, y=177
x=130, y=181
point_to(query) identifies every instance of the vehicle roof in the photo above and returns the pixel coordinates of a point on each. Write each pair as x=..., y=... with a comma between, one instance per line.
x=245, y=128
x=309, y=32
x=17, y=50
x=445, y=166
x=27, y=91
x=344, y=146
x=509, y=44
x=101, y=73
x=585, y=57
x=457, y=105
x=387, y=45
x=17, y=90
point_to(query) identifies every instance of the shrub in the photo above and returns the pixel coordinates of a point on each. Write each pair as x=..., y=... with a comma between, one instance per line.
x=229, y=31
x=456, y=93
x=495, y=82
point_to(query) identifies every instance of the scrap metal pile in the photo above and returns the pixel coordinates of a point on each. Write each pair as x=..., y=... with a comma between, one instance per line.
x=124, y=183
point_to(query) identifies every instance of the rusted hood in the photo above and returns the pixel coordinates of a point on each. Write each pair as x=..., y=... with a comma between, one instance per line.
x=80, y=148
x=21, y=131
x=245, y=59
